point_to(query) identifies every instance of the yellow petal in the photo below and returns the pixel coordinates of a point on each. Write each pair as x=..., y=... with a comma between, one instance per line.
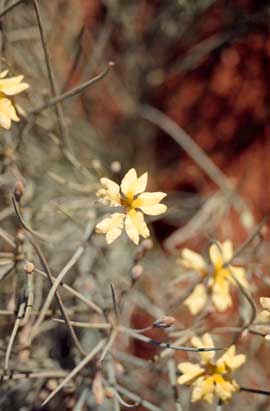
x=7, y=113
x=204, y=342
x=230, y=360
x=110, y=185
x=149, y=203
x=221, y=294
x=12, y=85
x=5, y=122
x=264, y=316
x=216, y=256
x=135, y=226
x=203, y=390
x=227, y=250
x=240, y=275
x=197, y=299
x=190, y=372
x=224, y=389
x=110, y=194
x=111, y=226
x=3, y=73
x=141, y=184
x=265, y=303
x=193, y=261
x=131, y=185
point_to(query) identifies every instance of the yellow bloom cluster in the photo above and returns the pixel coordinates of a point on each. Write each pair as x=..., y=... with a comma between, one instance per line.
x=130, y=196
x=211, y=377
x=9, y=87
x=265, y=314
x=219, y=276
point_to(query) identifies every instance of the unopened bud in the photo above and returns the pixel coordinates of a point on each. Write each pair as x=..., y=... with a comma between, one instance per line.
x=96, y=164
x=116, y=166
x=136, y=272
x=119, y=369
x=164, y=322
x=97, y=388
x=18, y=191
x=20, y=236
x=51, y=384
x=29, y=268
x=147, y=244
x=109, y=392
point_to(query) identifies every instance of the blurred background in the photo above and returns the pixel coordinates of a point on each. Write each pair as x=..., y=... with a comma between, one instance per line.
x=187, y=100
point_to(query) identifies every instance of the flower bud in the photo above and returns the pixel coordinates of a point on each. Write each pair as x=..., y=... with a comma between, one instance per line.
x=20, y=236
x=109, y=392
x=147, y=244
x=97, y=388
x=116, y=166
x=18, y=191
x=136, y=272
x=96, y=164
x=29, y=268
x=164, y=322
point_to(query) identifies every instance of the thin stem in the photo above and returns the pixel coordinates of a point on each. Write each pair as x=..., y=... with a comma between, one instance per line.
x=114, y=298
x=18, y=375
x=76, y=370
x=75, y=293
x=173, y=382
x=108, y=345
x=7, y=238
x=246, y=243
x=101, y=326
x=255, y=391
x=55, y=284
x=73, y=92
x=24, y=225
x=14, y=333
x=10, y=7
x=135, y=397
x=148, y=340
x=59, y=110
x=57, y=295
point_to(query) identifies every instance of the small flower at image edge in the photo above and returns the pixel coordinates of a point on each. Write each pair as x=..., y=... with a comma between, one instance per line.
x=9, y=87
x=133, y=201
x=211, y=378
x=221, y=276
x=265, y=314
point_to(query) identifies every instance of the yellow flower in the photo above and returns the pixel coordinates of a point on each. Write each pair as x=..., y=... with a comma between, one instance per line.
x=219, y=276
x=265, y=314
x=132, y=199
x=9, y=87
x=211, y=378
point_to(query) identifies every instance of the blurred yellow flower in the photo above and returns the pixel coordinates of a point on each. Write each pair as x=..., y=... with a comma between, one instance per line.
x=265, y=314
x=211, y=377
x=218, y=276
x=130, y=196
x=9, y=87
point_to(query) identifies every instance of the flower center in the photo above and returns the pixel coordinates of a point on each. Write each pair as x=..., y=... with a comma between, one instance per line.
x=126, y=203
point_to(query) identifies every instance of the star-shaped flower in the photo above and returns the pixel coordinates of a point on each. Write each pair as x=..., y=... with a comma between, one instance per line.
x=211, y=377
x=134, y=202
x=9, y=87
x=219, y=276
